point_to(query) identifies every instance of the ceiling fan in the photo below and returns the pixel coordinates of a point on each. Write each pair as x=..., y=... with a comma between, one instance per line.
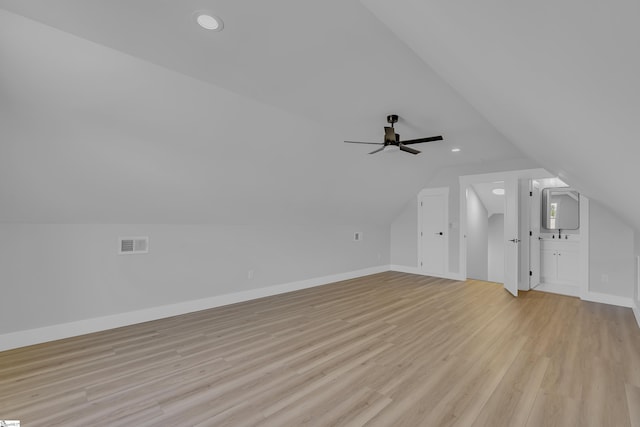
x=392, y=139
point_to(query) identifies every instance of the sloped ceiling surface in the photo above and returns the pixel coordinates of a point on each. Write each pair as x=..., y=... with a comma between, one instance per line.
x=494, y=203
x=125, y=111
x=559, y=79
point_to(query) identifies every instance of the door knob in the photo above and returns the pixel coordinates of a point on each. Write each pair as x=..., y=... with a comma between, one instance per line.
x=515, y=240
x=440, y=233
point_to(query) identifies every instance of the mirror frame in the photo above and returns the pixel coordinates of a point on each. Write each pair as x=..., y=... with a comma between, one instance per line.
x=545, y=207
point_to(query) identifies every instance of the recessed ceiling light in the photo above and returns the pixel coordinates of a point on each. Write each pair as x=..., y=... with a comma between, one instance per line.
x=209, y=22
x=498, y=191
x=455, y=150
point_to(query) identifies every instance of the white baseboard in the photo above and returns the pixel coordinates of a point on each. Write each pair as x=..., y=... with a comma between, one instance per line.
x=404, y=269
x=608, y=299
x=66, y=330
x=636, y=312
x=416, y=270
x=554, y=288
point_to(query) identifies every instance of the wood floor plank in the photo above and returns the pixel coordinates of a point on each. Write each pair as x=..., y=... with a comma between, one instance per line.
x=386, y=349
x=633, y=401
x=551, y=410
x=512, y=401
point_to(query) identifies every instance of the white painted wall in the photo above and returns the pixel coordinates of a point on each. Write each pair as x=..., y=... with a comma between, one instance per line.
x=611, y=253
x=636, y=293
x=52, y=274
x=496, y=248
x=477, y=237
x=404, y=231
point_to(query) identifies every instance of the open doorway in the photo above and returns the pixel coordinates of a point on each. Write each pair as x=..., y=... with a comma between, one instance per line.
x=515, y=226
x=505, y=186
x=535, y=256
x=485, y=231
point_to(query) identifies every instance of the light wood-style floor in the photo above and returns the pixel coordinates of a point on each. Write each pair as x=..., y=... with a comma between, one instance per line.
x=390, y=349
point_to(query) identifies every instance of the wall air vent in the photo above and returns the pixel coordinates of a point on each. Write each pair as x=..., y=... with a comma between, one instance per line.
x=133, y=245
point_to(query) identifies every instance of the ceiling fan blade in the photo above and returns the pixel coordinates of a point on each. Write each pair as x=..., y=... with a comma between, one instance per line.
x=408, y=149
x=358, y=142
x=421, y=140
x=377, y=151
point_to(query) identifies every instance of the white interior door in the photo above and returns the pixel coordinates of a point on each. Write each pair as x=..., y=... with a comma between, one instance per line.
x=434, y=247
x=524, y=226
x=512, y=242
x=534, y=238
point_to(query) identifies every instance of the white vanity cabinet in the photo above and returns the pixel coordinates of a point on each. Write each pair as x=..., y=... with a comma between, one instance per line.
x=559, y=262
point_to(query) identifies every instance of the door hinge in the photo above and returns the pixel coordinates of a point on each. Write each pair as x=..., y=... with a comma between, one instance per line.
x=530, y=233
x=421, y=233
x=421, y=204
x=530, y=193
x=530, y=273
x=420, y=263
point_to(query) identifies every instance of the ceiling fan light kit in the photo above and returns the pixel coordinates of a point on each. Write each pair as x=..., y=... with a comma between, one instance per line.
x=392, y=140
x=390, y=149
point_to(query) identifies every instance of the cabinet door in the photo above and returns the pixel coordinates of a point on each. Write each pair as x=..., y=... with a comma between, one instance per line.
x=568, y=266
x=548, y=266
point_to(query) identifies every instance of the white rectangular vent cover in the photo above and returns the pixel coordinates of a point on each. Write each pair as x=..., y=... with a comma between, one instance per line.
x=133, y=245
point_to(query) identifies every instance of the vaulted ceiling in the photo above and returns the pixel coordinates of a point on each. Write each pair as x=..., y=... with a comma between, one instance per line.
x=559, y=79
x=125, y=111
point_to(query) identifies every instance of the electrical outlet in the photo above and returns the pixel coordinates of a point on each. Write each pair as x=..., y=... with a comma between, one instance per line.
x=357, y=236
x=250, y=274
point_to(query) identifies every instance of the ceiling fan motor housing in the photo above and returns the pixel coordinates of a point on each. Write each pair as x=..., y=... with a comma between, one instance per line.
x=392, y=118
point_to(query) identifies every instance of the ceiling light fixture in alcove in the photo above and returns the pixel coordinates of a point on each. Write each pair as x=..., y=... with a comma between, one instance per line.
x=498, y=191
x=208, y=21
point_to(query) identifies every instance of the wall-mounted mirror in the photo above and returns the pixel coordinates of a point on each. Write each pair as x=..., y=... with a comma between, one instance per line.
x=560, y=209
